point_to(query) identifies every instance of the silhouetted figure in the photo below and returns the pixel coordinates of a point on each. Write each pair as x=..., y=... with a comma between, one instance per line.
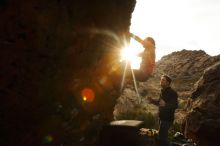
x=148, y=58
x=167, y=104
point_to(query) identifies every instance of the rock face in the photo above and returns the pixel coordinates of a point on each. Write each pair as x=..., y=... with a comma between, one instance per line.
x=50, y=51
x=203, y=123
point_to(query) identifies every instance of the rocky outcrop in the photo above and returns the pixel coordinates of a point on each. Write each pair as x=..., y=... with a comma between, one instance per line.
x=50, y=51
x=203, y=122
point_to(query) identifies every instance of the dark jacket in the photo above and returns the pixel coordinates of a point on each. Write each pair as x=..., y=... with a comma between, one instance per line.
x=170, y=96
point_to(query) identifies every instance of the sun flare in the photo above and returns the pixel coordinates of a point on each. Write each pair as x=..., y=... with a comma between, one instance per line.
x=131, y=54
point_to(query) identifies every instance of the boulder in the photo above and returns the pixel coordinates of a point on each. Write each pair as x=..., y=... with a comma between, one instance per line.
x=51, y=50
x=203, y=122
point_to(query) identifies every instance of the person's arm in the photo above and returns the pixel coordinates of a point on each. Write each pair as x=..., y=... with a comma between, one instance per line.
x=153, y=101
x=137, y=38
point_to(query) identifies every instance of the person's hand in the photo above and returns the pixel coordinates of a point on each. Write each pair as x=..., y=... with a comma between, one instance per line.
x=131, y=34
x=162, y=102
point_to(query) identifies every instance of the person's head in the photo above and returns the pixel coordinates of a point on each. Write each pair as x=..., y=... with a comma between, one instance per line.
x=165, y=81
x=149, y=42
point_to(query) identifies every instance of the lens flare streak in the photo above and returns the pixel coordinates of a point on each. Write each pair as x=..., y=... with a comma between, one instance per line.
x=123, y=77
x=135, y=86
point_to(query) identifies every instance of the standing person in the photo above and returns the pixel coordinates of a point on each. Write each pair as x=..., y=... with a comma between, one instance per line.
x=167, y=104
x=148, y=58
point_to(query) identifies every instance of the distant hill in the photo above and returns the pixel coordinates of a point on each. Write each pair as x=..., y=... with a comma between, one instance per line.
x=185, y=64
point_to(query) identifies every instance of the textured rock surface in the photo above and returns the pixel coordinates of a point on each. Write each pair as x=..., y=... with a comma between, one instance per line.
x=203, y=122
x=50, y=51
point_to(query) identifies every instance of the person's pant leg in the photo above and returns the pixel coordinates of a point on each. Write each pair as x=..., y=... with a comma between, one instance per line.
x=163, y=133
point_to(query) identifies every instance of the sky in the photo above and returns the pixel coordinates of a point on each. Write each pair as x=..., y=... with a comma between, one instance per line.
x=179, y=24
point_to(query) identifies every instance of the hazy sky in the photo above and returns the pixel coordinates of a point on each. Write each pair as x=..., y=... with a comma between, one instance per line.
x=179, y=24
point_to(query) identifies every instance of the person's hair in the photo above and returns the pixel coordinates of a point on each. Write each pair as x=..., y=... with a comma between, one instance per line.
x=167, y=78
x=151, y=40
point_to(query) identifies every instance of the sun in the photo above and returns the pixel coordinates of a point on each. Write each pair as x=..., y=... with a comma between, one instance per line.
x=131, y=54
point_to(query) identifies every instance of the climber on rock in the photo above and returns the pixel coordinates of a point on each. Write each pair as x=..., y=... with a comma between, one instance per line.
x=148, y=58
